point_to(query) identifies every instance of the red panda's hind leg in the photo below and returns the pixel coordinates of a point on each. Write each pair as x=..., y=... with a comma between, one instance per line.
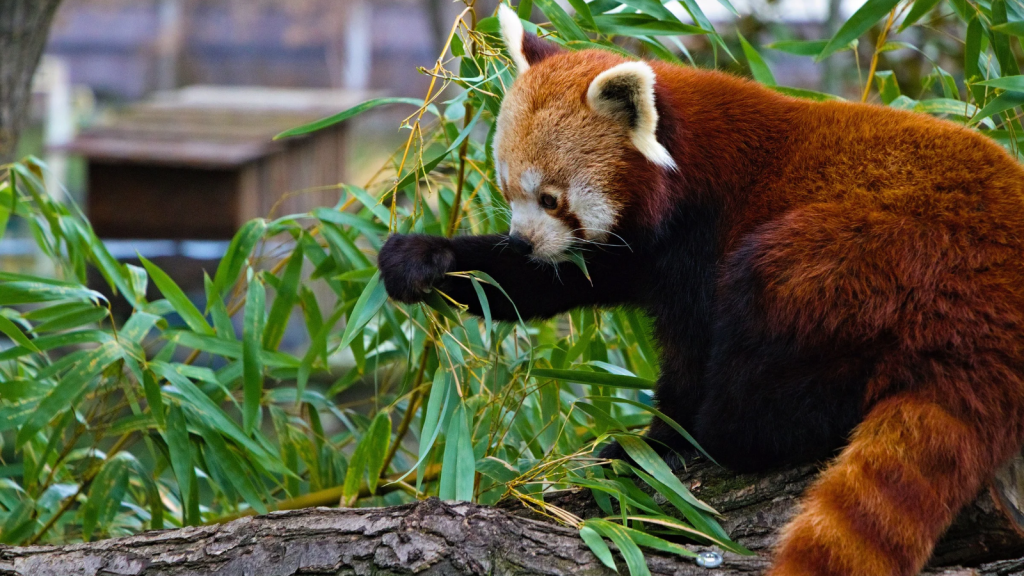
x=881, y=506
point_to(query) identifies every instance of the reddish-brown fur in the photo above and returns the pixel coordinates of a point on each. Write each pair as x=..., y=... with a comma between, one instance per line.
x=873, y=226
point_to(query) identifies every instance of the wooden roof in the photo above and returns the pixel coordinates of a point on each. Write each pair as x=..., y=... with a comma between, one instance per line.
x=208, y=126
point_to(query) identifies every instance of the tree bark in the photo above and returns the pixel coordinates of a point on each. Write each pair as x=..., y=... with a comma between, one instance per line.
x=437, y=538
x=24, y=26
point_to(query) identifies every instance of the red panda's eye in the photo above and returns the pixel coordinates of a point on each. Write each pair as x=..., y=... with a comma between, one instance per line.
x=548, y=201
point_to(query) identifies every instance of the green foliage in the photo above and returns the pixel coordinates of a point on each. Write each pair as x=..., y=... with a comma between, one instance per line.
x=176, y=415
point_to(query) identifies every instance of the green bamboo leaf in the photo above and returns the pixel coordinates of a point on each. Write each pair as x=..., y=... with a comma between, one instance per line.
x=1011, y=28
x=1001, y=41
x=115, y=274
x=484, y=304
x=758, y=67
x=182, y=305
x=8, y=200
x=972, y=53
x=808, y=94
x=285, y=297
x=653, y=464
x=237, y=473
x=15, y=334
x=252, y=365
x=73, y=319
x=655, y=543
x=458, y=466
x=864, y=18
x=1002, y=103
x=369, y=303
x=583, y=13
x=565, y=25
x=374, y=204
x=435, y=418
x=653, y=8
x=676, y=524
x=153, y=396
x=497, y=469
x=45, y=343
x=1011, y=83
x=917, y=11
x=799, y=47
x=75, y=383
x=234, y=259
x=599, y=378
x=888, y=88
x=603, y=419
x=342, y=116
x=19, y=523
x=701, y=522
x=440, y=304
x=948, y=106
x=627, y=547
x=369, y=228
x=41, y=290
x=368, y=458
x=184, y=390
x=105, y=494
x=378, y=439
x=596, y=544
x=642, y=25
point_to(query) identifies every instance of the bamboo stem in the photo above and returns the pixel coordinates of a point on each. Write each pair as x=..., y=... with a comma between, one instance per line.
x=878, y=50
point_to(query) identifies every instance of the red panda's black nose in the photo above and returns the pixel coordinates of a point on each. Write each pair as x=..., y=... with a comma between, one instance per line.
x=520, y=244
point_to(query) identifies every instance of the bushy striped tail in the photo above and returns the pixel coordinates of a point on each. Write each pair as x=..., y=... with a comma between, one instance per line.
x=880, y=508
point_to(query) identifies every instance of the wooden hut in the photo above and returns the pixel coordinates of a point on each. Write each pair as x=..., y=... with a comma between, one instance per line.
x=197, y=163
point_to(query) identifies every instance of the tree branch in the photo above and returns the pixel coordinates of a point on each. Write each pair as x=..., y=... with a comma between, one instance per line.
x=433, y=537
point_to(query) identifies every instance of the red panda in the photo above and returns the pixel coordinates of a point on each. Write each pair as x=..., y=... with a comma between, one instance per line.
x=823, y=277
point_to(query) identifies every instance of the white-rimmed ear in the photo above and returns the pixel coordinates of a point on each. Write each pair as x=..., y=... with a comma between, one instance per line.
x=513, y=34
x=626, y=94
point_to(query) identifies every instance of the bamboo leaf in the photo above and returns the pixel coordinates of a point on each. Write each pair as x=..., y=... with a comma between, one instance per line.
x=15, y=334
x=369, y=303
x=342, y=116
x=758, y=68
x=627, y=547
x=597, y=546
x=864, y=18
x=285, y=297
x=563, y=23
x=252, y=365
x=599, y=378
x=458, y=468
x=1011, y=83
x=182, y=305
x=242, y=245
x=1002, y=103
x=918, y=10
x=378, y=439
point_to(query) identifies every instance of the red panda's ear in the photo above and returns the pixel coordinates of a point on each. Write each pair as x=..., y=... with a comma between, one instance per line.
x=625, y=93
x=526, y=49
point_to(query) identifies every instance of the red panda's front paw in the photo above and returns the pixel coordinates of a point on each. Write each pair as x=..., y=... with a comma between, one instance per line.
x=412, y=264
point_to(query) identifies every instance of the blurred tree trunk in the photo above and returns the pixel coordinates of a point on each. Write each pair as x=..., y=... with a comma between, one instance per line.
x=831, y=81
x=24, y=26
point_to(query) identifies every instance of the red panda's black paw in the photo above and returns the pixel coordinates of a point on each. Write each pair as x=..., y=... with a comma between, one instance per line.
x=412, y=264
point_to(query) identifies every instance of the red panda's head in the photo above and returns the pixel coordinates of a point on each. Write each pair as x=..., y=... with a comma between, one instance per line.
x=575, y=150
